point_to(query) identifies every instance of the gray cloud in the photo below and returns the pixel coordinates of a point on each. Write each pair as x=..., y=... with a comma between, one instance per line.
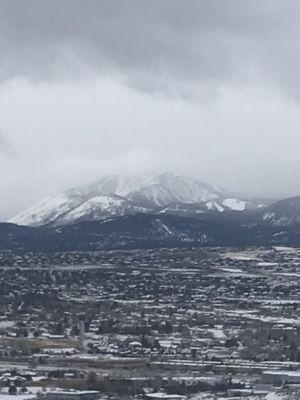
x=169, y=45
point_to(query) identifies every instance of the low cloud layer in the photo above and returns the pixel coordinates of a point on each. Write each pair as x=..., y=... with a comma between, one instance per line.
x=209, y=88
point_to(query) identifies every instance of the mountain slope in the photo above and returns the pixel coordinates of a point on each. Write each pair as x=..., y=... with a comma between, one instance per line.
x=14, y=237
x=130, y=231
x=283, y=213
x=101, y=207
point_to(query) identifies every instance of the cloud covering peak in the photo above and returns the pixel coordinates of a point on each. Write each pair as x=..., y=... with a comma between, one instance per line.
x=204, y=87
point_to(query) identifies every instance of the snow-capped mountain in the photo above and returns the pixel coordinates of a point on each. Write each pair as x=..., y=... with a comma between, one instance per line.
x=114, y=196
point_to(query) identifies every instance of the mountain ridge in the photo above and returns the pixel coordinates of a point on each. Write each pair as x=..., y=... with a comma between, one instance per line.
x=163, y=229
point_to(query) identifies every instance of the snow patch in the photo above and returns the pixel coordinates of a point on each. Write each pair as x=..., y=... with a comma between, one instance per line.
x=235, y=204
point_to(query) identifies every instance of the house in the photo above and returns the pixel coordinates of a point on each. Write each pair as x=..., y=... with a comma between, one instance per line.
x=280, y=377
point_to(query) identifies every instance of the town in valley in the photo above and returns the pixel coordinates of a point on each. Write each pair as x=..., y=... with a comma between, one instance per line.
x=173, y=324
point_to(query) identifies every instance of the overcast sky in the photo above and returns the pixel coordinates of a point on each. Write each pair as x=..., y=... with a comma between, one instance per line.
x=207, y=88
